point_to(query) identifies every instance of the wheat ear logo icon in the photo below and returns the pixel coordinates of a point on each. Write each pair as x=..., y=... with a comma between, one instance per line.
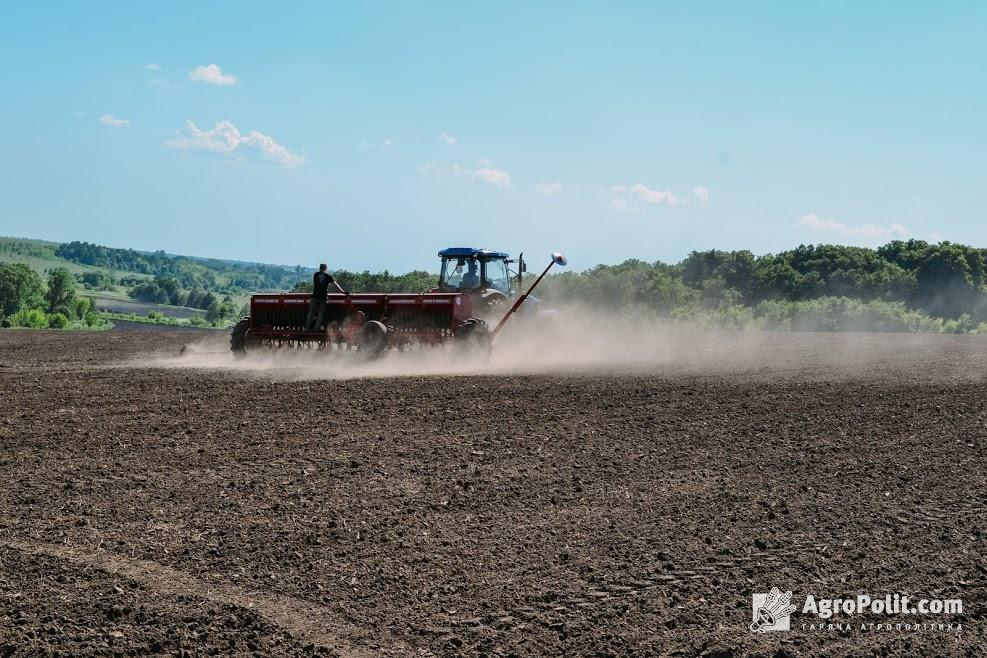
x=773, y=610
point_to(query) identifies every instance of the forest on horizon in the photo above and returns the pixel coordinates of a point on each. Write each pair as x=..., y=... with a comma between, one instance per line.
x=908, y=285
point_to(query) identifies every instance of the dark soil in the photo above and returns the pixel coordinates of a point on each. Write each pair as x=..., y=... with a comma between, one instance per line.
x=130, y=325
x=154, y=511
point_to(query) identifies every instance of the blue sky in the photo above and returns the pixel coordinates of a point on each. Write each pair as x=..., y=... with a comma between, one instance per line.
x=370, y=135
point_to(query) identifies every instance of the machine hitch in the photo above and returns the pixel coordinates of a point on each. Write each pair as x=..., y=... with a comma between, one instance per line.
x=557, y=258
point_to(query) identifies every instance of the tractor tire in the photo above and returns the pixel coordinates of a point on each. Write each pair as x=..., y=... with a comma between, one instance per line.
x=372, y=338
x=492, y=306
x=473, y=338
x=238, y=338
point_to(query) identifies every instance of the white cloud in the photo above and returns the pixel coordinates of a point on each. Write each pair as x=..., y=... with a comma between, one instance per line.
x=628, y=196
x=866, y=231
x=153, y=67
x=226, y=139
x=549, y=188
x=448, y=139
x=485, y=174
x=701, y=193
x=493, y=176
x=387, y=142
x=111, y=120
x=212, y=75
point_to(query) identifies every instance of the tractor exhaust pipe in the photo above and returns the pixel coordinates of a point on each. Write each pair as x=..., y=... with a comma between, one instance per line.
x=557, y=258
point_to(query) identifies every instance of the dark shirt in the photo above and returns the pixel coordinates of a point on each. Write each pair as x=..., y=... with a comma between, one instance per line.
x=320, y=284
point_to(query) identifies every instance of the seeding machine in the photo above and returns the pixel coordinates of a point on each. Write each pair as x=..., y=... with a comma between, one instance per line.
x=476, y=288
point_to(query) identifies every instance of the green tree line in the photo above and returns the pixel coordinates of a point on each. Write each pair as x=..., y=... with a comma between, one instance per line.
x=904, y=285
x=220, y=276
x=415, y=281
x=943, y=280
x=26, y=300
x=166, y=290
x=190, y=273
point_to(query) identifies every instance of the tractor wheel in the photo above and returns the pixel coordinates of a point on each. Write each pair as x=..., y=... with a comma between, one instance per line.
x=492, y=305
x=238, y=338
x=372, y=338
x=473, y=337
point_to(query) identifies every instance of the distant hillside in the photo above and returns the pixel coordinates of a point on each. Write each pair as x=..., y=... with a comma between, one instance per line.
x=40, y=256
x=202, y=273
x=129, y=268
x=190, y=272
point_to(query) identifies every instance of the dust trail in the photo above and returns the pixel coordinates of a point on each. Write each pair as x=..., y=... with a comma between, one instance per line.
x=564, y=344
x=580, y=342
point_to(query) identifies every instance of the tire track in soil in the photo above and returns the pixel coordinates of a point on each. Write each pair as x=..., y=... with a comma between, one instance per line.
x=315, y=623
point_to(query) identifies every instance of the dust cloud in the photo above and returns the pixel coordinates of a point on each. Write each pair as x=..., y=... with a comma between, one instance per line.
x=580, y=342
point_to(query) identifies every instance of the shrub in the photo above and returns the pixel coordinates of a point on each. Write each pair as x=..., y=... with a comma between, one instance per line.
x=20, y=288
x=845, y=314
x=150, y=293
x=57, y=321
x=31, y=318
x=95, y=319
x=97, y=279
x=82, y=306
x=61, y=291
x=215, y=312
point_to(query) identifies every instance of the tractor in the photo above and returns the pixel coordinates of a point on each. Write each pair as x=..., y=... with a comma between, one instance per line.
x=474, y=289
x=483, y=275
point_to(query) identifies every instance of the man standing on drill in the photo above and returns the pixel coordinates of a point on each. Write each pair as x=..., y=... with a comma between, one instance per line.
x=320, y=288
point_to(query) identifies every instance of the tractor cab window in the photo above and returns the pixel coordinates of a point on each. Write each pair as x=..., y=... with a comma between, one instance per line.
x=460, y=274
x=496, y=275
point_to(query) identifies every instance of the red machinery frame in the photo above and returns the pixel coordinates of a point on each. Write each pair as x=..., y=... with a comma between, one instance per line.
x=425, y=317
x=372, y=321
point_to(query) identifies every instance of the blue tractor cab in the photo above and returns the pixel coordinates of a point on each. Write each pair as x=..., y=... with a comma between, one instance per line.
x=468, y=269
